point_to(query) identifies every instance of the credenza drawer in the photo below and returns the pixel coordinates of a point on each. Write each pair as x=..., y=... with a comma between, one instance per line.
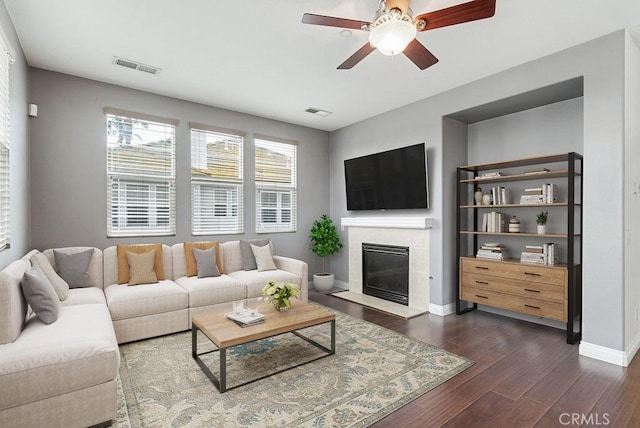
x=536, y=290
x=541, y=308
x=520, y=271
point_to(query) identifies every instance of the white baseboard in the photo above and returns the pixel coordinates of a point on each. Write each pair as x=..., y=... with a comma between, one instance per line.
x=341, y=284
x=442, y=310
x=632, y=350
x=602, y=353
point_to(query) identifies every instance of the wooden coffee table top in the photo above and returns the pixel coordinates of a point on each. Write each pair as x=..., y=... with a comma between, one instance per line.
x=225, y=333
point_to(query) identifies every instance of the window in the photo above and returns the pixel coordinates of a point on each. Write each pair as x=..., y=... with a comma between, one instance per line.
x=275, y=184
x=140, y=174
x=6, y=58
x=216, y=180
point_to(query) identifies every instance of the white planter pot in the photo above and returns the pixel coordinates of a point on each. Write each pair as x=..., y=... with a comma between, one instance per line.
x=323, y=281
x=542, y=229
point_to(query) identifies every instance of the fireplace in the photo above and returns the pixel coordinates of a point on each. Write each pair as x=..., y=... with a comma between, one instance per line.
x=385, y=272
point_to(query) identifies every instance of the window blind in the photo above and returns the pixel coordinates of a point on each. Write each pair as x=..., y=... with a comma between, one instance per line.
x=141, y=196
x=276, y=191
x=5, y=196
x=217, y=202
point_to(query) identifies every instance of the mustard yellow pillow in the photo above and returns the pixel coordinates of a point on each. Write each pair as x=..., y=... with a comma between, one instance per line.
x=123, y=263
x=192, y=267
x=141, y=267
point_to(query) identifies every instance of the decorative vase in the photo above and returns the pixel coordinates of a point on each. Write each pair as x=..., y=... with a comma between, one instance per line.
x=478, y=196
x=514, y=225
x=280, y=305
x=486, y=199
x=542, y=229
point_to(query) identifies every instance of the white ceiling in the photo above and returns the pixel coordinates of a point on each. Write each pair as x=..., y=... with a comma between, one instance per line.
x=255, y=56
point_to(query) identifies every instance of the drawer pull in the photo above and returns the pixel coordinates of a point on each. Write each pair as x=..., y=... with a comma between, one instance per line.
x=532, y=307
x=532, y=274
x=482, y=267
x=482, y=297
x=482, y=282
x=531, y=291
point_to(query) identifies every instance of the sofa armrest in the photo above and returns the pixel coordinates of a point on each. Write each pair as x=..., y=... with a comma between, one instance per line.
x=298, y=268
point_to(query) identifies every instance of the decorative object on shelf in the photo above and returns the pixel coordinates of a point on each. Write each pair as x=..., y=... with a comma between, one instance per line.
x=279, y=294
x=478, y=196
x=541, y=221
x=324, y=242
x=514, y=225
x=486, y=199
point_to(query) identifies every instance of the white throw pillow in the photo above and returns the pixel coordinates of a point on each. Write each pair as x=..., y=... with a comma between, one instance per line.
x=264, y=259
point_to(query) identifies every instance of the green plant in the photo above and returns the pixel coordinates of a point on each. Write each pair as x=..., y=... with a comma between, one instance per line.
x=324, y=238
x=542, y=218
x=279, y=293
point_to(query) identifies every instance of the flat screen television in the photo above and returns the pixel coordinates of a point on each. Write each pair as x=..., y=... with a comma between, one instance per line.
x=395, y=179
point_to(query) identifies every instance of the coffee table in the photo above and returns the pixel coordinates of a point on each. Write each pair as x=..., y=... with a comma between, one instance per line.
x=224, y=334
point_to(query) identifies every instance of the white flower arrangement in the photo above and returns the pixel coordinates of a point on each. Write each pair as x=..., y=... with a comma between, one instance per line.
x=278, y=294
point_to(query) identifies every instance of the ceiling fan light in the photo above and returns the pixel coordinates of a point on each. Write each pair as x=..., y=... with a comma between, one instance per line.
x=391, y=37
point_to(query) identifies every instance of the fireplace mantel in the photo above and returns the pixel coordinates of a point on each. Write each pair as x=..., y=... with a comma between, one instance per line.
x=389, y=222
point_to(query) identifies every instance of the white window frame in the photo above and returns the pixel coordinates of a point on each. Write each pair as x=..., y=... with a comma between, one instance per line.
x=126, y=169
x=7, y=57
x=213, y=174
x=280, y=147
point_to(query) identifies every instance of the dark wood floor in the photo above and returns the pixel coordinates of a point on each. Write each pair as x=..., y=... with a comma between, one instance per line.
x=525, y=375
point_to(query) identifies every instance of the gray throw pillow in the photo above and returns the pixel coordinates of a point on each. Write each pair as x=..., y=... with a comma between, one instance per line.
x=74, y=268
x=61, y=287
x=206, y=262
x=248, y=259
x=40, y=295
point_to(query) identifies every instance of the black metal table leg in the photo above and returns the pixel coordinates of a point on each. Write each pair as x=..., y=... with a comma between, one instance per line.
x=223, y=370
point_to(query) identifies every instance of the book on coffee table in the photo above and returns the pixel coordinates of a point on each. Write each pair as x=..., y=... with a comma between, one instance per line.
x=246, y=318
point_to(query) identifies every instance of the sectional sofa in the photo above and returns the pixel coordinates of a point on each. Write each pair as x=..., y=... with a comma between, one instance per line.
x=64, y=373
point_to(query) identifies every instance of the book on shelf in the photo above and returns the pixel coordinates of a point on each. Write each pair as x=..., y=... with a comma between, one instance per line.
x=545, y=254
x=246, y=317
x=493, y=222
x=533, y=191
x=493, y=251
x=535, y=170
x=526, y=257
x=550, y=193
x=490, y=174
x=531, y=199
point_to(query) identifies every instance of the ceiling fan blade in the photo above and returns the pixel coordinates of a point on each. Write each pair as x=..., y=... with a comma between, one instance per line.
x=357, y=57
x=419, y=55
x=330, y=21
x=471, y=11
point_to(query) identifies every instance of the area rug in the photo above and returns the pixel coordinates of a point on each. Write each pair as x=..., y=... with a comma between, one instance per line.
x=374, y=372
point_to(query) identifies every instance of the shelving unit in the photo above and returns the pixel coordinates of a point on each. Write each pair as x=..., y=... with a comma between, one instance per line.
x=548, y=291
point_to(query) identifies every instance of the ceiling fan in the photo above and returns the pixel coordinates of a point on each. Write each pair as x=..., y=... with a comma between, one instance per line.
x=394, y=30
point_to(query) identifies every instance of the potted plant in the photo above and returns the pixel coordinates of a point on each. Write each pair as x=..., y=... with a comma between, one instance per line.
x=541, y=221
x=324, y=242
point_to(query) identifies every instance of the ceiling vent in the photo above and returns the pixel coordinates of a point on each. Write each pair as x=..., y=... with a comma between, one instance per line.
x=318, y=112
x=136, y=65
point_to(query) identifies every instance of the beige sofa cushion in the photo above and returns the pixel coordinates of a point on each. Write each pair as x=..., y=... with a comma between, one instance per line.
x=110, y=258
x=256, y=280
x=190, y=260
x=83, y=296
x=126, y=301
x=77, y=351
x=13, y=306
x=212, y=290
x=123, y=262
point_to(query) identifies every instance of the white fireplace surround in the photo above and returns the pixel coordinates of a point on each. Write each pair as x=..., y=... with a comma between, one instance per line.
x=405, y=231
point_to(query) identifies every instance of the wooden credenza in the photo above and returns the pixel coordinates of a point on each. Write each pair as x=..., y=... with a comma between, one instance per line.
x=539, y=290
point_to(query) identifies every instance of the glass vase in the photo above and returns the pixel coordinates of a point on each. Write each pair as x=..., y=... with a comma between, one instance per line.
x=280, y=305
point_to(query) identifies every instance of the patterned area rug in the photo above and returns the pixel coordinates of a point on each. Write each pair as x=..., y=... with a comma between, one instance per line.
x=374, y=372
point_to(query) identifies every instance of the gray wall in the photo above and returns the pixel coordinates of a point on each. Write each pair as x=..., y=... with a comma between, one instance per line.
x=68, y=164
x=19, y=152
x=632, y=195
x=601, y=62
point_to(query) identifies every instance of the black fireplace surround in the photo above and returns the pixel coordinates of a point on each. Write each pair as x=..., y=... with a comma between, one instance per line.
x=385, y=272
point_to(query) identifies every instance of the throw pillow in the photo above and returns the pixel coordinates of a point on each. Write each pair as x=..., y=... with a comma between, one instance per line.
x=206, y=261
x=192, y=267
x=123, y=263
x=248, y=259
x=74, y=268
x=41, y=261
x=141, y=267
x=264, y=259
x=40, y=295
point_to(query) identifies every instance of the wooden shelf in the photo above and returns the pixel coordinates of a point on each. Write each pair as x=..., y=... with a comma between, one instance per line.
x=520, y=177
x=554, y=204
x=563, y=157
x=529, y=235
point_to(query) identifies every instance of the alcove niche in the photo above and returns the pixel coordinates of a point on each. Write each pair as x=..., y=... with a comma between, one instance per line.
x=544, y=121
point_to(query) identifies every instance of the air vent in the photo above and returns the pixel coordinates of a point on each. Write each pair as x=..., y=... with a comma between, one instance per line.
x=136, y=65
x=318, y=112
